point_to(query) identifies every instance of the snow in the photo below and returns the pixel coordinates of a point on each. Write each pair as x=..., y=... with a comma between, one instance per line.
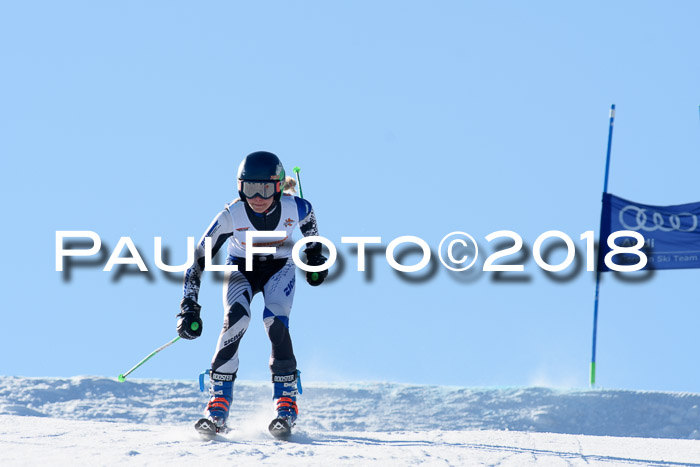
x=99, y=421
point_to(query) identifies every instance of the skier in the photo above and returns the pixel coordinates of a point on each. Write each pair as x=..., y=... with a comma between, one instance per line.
x=262, y=206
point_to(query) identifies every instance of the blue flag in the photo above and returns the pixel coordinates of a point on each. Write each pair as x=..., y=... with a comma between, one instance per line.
x=671, y=233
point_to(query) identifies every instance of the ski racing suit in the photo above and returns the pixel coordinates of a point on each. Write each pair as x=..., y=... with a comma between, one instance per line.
x=272, y=274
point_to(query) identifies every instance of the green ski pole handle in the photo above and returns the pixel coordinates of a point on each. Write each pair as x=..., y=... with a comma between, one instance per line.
x=122, y=377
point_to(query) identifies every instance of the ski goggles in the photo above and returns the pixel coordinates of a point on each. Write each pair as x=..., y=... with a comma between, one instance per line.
x=263, y=189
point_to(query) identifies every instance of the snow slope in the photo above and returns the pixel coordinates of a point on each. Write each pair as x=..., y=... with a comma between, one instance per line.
x=99, y=421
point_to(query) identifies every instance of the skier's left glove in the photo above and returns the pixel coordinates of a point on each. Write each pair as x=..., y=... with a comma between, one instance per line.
x=189, y=324
x=316, y=278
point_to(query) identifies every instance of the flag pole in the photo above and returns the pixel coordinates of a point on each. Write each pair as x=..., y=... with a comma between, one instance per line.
x=597, y=274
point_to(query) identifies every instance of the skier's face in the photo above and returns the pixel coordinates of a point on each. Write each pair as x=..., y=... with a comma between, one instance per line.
x=259, y=204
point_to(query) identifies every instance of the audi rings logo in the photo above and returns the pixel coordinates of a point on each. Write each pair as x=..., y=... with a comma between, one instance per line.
x=651, y=221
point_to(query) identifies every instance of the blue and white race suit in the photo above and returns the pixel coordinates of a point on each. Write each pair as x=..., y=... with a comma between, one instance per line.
x=273, y=275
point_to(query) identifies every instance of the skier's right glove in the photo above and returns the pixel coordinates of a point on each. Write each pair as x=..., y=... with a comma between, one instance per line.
x=316, y=278
x=189, y=324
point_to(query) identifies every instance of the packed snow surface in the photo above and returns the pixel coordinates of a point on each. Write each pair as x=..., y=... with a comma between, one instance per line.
x=99, y=421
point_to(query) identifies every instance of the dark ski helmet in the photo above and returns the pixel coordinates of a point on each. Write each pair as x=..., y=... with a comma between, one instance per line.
x=261, y=166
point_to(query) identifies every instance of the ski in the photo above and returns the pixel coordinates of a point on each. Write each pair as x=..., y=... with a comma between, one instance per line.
x=208, y=429
x=280, y=429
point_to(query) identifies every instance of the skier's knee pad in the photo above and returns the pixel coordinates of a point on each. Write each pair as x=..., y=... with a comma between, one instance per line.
x=237, y=313
x=277, y=332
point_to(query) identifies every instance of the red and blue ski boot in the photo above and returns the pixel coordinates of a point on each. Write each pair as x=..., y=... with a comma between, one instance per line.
x=286, y=389
x=216, y=412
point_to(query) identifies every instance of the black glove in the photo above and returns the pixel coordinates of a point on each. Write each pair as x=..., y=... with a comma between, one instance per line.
x=189, y=326
x=316, y=278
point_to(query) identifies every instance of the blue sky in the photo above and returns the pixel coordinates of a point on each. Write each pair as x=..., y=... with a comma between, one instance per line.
x=407, y=118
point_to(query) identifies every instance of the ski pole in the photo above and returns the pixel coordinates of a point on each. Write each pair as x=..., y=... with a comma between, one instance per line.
x=122, y=377
x=314, y=275
x=296, y=172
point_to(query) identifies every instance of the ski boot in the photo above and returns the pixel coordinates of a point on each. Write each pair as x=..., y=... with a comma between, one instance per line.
x=286, y=389
x=216, y=412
